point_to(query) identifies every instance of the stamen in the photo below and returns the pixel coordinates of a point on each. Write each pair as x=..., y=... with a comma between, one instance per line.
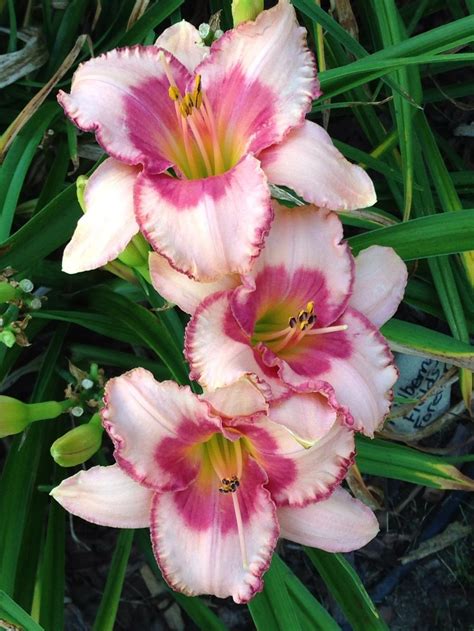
x=328, y=329
x=279, y=346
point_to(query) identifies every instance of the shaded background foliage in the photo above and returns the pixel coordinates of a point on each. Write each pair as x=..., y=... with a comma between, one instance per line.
x=398, y=85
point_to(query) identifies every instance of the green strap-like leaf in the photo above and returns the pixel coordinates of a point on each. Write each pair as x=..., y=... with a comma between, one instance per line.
x=435, y=235
x=390, y=460
x=105, y=619
x=348, y=590
x=12, y=613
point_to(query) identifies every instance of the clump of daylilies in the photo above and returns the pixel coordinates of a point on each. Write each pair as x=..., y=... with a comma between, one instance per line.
x=283, y=336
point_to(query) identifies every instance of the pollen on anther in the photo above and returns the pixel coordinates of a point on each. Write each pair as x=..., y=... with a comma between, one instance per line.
x=174, y=93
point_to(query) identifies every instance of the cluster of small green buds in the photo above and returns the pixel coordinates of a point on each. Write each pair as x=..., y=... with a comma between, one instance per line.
x=209, y=32
x=79, y=444
x=19, y=300
x=244, y=10
x=15, y=415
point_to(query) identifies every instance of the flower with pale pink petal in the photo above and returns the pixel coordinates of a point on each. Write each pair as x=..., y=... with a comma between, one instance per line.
x=214, y=475
x=305, y=312
x=195, y=135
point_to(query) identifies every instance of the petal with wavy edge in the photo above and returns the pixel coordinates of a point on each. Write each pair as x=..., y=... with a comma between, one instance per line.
x=299, y=475
x=357, y=363
x=218, y=351
x=109, y=222
x=181, y=290
x=379, y=283
x=122, y=96
x=106, y=496
x=260, y=78
x=210, y=227
x=245, y=397
x=337, y=524
x=156, y=429
x=308, y=162
x=184, y=42
x=206, y=557
x=303, y=260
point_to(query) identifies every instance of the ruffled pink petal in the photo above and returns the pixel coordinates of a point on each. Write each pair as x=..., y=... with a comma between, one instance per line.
x=357, y=363
x=308, y=162
x=219, y=353
x=184, y=42
x=337, y=524
x=196, y=538
x=245, y=397
x=297, y=474
x=109, y=222
x=210, y=227
x=106, y=496
x=122, y=96
x=179, y=289
x=156, y=429
x=379, y=284
x=260, y=79
x=303, y=260
x=309, y=413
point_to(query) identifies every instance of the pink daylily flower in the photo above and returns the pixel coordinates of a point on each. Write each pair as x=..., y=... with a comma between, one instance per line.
x=305, y=311
x=227, y=120
x=219, y=477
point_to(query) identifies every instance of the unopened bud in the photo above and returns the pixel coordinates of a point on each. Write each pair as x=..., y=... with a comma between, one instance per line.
x=15, y=415
x=35, y=304
x=77, y=411
x=244, y=10
x=8, y=338
x=81, y=184
x=87, y=384
x=26, y=285
x=136, y=252
x=7, y=292
x=77, y=445
x=204, y=31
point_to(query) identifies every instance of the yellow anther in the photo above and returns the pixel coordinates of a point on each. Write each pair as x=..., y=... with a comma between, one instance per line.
x=186, y=105
x=197, y=94
x=310, y=307
x=173, y=92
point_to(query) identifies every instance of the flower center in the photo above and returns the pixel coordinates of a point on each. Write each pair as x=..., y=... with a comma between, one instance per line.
x=198, y=151
x=299, y=325
x=225, y=457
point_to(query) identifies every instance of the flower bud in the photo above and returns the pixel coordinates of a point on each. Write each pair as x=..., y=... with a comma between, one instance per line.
x=8, y=338
x=81, y=184
x=8, y=292
x=243, y=10
x=136, y=252
x=77, y=445
x=15, y=415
